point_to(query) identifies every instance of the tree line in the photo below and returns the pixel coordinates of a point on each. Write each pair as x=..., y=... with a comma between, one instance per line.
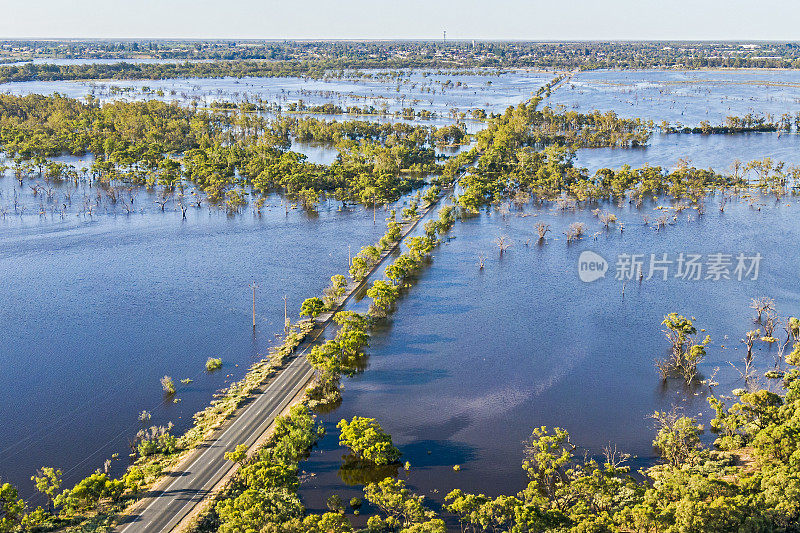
x=314, y=58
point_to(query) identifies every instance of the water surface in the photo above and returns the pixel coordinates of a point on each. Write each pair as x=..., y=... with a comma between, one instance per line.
x=96, y=309
x=474, y=359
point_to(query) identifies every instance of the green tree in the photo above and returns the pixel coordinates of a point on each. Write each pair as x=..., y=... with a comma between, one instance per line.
x=326, y=523
x=383, y=295
x=335, y=503
x=547, y=460
x=312, y=307
x=333, y=294
x=48, y=481
x=238, y=455
x=254, y=509
x=402, y=507
x=12, y=508
x=366, y=440
x=90, y=492
x=687, y=352
x=677, y=437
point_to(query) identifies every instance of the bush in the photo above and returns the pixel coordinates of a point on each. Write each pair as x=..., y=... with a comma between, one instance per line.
x=367, y=440
x=213, y=364
x=335, y=503
x=133, y=479
x=89, y=492
x=238, y=455
x=312, y=307
x=168, y=385
x=156, y=439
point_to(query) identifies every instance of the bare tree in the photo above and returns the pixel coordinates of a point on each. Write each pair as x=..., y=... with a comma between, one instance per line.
x=542, y=229
x=503, y=210
x=520, y=199
x=503, y=243
x=770, y=321
x=563, y=203
x=575, y=231
x=613, y=457
x=748, y=341
x=761, y=305
x=607, y=218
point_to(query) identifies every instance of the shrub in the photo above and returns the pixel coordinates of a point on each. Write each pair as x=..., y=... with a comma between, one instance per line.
x=133, y=479
x=168, y=385
x=312, y=307
x=367, y=440
x=335, y=503
x=238, y=455
x=156, y=439
x=89, y=492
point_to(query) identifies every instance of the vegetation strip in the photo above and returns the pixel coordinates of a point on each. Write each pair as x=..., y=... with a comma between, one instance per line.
x=311, y=336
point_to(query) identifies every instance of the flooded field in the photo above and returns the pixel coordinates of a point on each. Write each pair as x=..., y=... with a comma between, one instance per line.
x=434, y=91
x=97, y=308
x=702, y=151
x=678, y=96
x=474, y=359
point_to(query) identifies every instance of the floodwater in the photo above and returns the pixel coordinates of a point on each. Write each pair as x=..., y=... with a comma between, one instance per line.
x=430, y=90
x=702, y=151
x=326, y=155
x=96, y=309
x=678, y=96
x=474, y=359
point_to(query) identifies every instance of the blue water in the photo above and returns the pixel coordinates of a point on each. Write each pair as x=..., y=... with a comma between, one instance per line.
x=96, y=309
x=688, y=97
x=474, y=359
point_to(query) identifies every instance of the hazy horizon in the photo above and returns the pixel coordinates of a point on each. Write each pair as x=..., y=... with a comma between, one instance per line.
x=512, y=20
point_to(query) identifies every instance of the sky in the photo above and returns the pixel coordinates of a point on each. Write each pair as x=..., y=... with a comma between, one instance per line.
x=403, y=19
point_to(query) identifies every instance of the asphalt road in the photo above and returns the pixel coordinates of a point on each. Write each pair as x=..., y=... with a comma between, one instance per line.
x=164, y=509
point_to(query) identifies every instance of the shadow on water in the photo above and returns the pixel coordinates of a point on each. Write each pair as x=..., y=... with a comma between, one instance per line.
x=437, y=453
x=355, y=471
x=473, y=360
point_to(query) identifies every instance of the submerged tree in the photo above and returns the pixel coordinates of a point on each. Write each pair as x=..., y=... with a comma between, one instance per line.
x=312, y=307
x=367, y=440
x=333, y=294
x=762, y=305
x=48, y=482
x=687, y=352
x=168, y=384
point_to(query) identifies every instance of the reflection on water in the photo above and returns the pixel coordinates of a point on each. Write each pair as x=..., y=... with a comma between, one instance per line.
x=474, y=359
x=701, y=151
x=96, y=309
x=688, y=97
